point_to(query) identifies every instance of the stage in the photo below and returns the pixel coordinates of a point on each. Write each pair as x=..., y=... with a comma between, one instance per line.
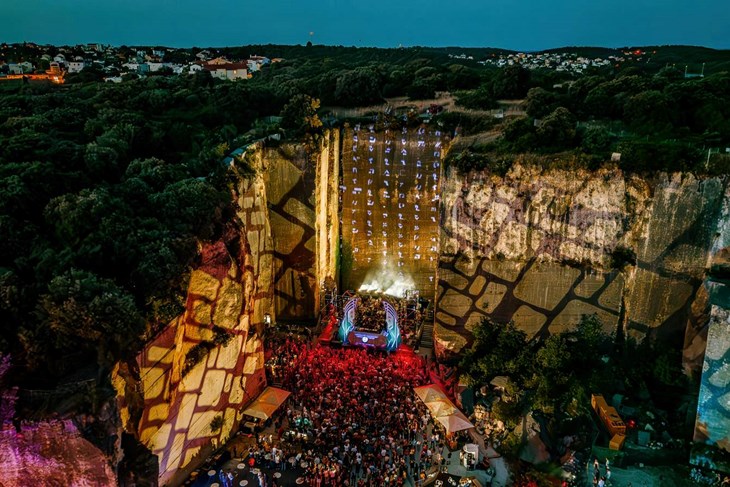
x=372, y=320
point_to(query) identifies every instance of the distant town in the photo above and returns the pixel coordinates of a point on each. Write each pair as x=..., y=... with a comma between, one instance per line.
x=29, y=60
x=558, y=61
x=34, y=61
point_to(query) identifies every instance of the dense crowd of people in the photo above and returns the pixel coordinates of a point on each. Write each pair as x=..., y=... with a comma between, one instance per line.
x=352, y=418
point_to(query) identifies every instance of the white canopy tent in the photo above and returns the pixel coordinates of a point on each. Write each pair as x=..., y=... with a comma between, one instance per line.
x=442, y=409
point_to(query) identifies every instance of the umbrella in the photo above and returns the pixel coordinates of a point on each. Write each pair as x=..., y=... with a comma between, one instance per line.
x=455, y=422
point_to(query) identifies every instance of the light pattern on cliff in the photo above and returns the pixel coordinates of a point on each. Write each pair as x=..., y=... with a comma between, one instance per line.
x=51, y=453
x=209, y=362
x=536, y=247
x=390, y=200
x=301, y=189
x=711, y=446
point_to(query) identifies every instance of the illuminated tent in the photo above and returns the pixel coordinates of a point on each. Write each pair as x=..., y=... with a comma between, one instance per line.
x=430, y=393
x=454, y=422
x=442, y=409
x=267, y=403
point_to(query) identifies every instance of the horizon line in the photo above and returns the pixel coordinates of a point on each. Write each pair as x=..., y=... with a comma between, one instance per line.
x=342, y=46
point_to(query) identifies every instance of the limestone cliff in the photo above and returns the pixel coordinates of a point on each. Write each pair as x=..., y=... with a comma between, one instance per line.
x=302, y=184
x=544, y=247
x=208, y=363
x=51, y=453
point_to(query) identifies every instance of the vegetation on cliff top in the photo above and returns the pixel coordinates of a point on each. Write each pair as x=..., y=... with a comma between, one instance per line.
x=656, y=121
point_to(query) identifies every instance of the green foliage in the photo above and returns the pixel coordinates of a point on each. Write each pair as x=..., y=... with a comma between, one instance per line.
x=497, y=351
x=422, y=89
x=300, y=115
x=642, y=155
x=552, y=377
x=622, y=256
x=511, y=83
x=596, y=140
x=479, y=99
x=648, y=112
x=359, y=87
x=105, y=191
x=557, y=131
x=519, y=135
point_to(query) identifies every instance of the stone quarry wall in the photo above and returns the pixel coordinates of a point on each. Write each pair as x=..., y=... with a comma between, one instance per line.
x=695, y=339
x=711, y=447
x=301, y=184
x=390, y=205
x=51, y=453
x=538, y=246
x=169, y=400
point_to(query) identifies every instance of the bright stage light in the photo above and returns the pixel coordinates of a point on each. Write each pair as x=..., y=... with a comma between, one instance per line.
x=389, y=285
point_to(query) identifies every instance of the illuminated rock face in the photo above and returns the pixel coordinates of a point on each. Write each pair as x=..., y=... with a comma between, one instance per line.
x=51, y=453
x=301, y=185
x=390, y=207
x=208, y=363
x=711, y=446
x=538, y=247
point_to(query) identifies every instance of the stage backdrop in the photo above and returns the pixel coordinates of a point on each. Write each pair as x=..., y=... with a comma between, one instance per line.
x=390, y=207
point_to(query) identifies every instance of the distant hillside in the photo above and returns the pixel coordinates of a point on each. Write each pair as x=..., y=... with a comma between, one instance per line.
x=715, y=60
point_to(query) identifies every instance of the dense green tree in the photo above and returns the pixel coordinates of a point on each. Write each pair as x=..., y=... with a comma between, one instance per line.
x=300, y=115
x=596, y=140
x=648, y=112
x=557, y=130
x=479, y=99
x=540, y=102
x=511, y=83
x=359, y=87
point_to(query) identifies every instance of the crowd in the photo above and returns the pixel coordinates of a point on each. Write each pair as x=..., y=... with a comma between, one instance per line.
x=370, y=314
x=352, y=418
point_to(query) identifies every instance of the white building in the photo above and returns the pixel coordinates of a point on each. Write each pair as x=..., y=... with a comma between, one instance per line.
x=230, y=71
x=76, y=66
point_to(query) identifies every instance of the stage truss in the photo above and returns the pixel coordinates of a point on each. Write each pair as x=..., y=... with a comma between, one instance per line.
x=401, y=315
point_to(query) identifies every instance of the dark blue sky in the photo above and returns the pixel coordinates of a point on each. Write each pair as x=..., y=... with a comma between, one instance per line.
x=513, y=24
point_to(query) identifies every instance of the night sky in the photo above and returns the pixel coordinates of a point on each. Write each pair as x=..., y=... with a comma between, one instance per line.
x=512, y=24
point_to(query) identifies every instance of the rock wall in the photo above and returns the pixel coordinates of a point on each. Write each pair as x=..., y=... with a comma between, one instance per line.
x=540, y=247
x=301, y=184
x=51, y=453
x=695, y=338
x=390, y=205
x=711, y=447
x=208, y=363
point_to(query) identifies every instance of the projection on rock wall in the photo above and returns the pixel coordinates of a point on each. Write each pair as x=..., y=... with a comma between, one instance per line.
x=390, y=208
x=711, y=446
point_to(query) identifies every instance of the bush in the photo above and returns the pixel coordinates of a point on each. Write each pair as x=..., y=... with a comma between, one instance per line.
x=479, y=99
